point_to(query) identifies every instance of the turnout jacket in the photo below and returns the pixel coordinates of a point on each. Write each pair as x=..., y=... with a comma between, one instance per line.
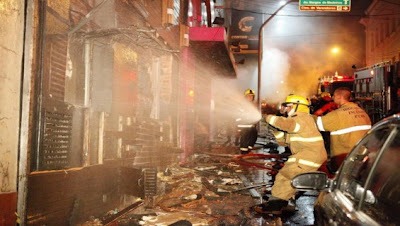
x=302, y=137
x=348, y=124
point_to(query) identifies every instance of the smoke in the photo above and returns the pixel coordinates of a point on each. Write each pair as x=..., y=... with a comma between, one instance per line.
x=284, y=72
x=297, y=51
x=275, y=69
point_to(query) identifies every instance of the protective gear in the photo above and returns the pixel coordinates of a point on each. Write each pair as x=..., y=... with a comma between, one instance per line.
x=325, y=94
x=280, y=138
x=248, y=132
x=248, y=137
x=306, y=144
x=296, y=99
x=348, y=124
x=249, y=92
x=272, y=207
x=299, y=103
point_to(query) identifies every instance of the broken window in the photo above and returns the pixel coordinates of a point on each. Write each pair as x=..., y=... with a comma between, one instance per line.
x=97, y=97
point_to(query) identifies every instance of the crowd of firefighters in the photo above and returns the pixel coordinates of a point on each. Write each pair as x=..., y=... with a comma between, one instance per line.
x=319, y=132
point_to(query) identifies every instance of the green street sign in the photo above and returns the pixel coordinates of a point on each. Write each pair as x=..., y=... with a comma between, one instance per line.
x=325, y=5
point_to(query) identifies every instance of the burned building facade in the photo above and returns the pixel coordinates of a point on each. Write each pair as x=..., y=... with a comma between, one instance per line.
x=102, y=97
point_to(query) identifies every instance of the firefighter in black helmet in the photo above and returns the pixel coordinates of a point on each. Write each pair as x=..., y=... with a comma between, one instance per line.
x=248, y=132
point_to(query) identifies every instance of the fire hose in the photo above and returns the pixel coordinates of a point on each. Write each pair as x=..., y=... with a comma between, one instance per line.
x=240, y=160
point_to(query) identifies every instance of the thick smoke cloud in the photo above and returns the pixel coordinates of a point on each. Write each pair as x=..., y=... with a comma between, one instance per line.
x=297, y=51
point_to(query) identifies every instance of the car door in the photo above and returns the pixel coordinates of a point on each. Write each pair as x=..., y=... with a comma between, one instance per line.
x=381, y=200
x=341, y=206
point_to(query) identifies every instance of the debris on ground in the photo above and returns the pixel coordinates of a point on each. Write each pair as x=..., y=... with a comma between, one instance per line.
x=207, y=190
x=213, y=189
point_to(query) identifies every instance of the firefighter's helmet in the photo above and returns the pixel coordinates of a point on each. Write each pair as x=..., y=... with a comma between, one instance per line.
x=300, y=104
x=326, y=96
x=249, y=92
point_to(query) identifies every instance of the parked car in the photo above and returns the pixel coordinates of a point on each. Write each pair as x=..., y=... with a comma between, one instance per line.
x=366, y=190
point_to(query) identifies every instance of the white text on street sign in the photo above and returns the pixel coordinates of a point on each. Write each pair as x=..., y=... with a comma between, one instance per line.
x=325, y=5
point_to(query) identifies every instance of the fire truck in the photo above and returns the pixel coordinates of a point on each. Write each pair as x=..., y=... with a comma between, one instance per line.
x=330, y=83
x=376, y=89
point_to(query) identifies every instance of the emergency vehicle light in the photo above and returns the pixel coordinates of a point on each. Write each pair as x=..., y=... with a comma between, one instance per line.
x=343, y=78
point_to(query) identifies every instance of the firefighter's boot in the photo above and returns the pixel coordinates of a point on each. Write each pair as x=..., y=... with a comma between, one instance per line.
x=275, y=206
x=291, y=207
x=244, y=151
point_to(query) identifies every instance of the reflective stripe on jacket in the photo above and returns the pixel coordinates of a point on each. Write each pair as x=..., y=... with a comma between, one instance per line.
x=280, y=138
x=302, y=136
x=304, y=162
x=347, y=125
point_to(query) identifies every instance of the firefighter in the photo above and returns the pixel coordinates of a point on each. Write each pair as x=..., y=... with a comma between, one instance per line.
x=248, y=132
x=347, y=125
x=327, y=104
x=307, y=146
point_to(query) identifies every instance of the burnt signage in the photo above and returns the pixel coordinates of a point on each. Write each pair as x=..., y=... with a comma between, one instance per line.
x=243, y=33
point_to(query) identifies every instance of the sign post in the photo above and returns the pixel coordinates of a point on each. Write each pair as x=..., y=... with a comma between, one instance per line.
x=325, y=5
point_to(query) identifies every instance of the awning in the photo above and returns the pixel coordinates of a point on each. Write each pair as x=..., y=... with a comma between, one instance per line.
x=214, y=56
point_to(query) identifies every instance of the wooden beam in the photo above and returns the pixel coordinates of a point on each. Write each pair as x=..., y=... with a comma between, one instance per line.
x=87, y=17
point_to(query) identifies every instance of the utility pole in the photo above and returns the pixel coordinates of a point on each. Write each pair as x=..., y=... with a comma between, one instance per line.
x=260, y=50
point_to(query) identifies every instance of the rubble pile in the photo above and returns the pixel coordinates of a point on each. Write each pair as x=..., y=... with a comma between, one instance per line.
x=207, y=190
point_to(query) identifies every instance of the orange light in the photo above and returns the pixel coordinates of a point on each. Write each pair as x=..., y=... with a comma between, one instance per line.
x=191, y=93
x=335, y=50
x=372, y=72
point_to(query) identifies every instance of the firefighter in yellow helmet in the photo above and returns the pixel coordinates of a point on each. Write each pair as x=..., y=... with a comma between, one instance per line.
x=248, y=133
x=249, y=94
x=306, y=144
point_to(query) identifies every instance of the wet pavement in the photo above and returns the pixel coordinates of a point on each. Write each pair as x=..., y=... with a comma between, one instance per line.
x=216, y=188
